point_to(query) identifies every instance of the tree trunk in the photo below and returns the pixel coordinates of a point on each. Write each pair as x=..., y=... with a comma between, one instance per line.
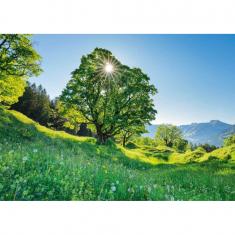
x=101, y=137
x=124, y=141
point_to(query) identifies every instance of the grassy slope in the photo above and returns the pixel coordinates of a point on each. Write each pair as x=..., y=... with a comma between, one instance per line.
x=37, y=163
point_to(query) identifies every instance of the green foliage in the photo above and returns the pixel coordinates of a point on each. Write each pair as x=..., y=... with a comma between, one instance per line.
x=207, y=147
x=147, y=141
x=35, y=103
x=18, y=58
x=72, y=116
x=59, y=166
x=229, y=140
x=111, y=101
x=18, y=61
x=129, y=132
x=168, y=135
x=11, y=88
x=180, y=144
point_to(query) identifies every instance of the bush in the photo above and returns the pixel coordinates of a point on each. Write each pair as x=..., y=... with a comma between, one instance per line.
x=229, y=141
x=181, y=145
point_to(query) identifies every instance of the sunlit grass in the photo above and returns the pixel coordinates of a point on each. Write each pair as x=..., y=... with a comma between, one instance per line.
x=37, y=163
x=48, y=132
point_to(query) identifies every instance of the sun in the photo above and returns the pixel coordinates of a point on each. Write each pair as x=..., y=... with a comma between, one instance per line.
x=108, y=68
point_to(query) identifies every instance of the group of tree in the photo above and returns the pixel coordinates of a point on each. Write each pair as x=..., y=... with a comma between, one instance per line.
x=36, y=104
x=171, y=136
x=207, y=147
x=103, y=97
x=115, y=103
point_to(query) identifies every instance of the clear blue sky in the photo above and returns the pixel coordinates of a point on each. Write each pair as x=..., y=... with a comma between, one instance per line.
x=194, y=74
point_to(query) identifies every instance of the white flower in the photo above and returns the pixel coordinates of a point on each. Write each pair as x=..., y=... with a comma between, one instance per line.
x=35, y=150
x=113, y=188
x=168, y=188
x=24, y=159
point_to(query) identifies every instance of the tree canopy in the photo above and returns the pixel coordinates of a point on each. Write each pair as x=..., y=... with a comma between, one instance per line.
x=18, y=58
x=168, y=134
x=110, y=95
x=18, y=61
x=11, y=88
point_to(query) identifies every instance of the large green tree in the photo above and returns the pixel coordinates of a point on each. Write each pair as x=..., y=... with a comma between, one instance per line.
x=110, y=95
x=168, y=134
x=18, y=61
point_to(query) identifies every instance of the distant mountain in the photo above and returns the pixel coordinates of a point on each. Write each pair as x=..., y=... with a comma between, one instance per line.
x=212, y=132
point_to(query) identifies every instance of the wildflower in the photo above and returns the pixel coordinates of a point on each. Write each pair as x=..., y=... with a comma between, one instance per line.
x=24, y=159
x=113, y=188
x=168, y=188
x=35, y=150
x=129, y=190
x=117, y=182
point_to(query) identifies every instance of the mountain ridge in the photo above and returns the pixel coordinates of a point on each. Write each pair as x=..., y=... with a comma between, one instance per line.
x=212, y=132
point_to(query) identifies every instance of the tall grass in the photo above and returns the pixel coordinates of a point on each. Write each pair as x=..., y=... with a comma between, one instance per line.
x=41, y=164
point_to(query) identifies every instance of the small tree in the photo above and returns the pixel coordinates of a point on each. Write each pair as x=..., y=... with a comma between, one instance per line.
x=126, y=134
x=110, y=95
x=168, y=135
x=181, y=144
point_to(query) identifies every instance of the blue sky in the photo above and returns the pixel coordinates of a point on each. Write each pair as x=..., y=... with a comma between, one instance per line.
x=194, y=74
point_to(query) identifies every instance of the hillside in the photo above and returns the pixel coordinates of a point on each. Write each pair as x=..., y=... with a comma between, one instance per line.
x=37, y=163
x=212, y=132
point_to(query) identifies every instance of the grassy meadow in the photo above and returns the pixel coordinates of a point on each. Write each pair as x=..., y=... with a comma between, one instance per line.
x=37, y=163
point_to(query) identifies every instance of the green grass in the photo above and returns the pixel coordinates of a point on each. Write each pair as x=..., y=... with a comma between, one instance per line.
x=37, y=163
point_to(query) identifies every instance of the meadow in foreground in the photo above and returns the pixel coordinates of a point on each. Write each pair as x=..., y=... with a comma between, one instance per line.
x=37, y=163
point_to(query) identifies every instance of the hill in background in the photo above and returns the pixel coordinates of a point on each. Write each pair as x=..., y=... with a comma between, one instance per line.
x=212, y=132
